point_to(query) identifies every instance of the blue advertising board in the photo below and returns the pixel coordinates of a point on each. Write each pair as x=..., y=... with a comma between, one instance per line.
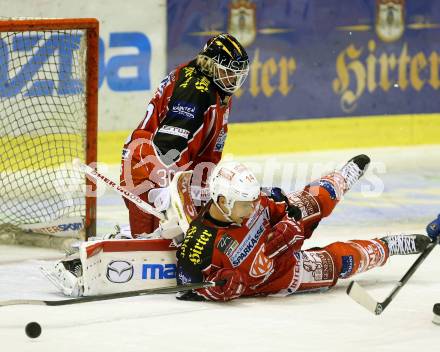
x=313, y=58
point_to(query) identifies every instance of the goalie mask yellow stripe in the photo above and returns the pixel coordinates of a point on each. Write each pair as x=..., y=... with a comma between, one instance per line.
x=224, y=47
x=235, y=44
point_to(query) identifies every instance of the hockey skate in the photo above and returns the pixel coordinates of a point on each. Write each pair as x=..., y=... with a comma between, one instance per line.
x=353, y=170
x=406, y=244
x=66, y=276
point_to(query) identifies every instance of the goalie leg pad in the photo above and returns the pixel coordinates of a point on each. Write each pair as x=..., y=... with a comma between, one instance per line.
x=113, y=266
x=63, y=279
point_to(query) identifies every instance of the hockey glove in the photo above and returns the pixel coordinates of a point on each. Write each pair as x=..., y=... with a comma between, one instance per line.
x=285, y=234
x=233, y=288
x=433, y=228
x=160, y=198
x=278, y=195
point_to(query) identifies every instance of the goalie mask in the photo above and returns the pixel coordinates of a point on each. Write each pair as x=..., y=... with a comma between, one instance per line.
x=225, y=60
x=235, y=182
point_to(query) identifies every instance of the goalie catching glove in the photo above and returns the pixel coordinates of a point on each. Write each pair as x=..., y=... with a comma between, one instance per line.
x=285, y=234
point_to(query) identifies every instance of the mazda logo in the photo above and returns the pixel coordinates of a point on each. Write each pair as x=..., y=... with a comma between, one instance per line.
x=119, y=271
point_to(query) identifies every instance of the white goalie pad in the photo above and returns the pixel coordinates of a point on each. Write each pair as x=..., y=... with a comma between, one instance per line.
x=119, y=263
x=112, y=266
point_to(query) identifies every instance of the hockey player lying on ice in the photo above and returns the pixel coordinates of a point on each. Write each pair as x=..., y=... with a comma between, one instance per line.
x=254, y=241
x=248, y=236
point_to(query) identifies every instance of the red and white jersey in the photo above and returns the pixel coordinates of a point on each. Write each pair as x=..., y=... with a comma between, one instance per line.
x=208, y=246
x=185, y=125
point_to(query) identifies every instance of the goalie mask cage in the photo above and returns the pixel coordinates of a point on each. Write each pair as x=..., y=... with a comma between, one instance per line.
x=48, y=117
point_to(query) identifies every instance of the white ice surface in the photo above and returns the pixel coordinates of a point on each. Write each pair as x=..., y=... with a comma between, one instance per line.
x=328, y=321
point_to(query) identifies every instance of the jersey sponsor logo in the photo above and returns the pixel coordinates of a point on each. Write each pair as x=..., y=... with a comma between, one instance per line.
x=188, y=72
x=347, y=266
x=376, y=255
x=254, y=216
x=184, y=110
x=261, y=265
x=227, y=244
x=196, y=251
x=188, y=237
x=194, y=244
x=296, y=280
x=363, y=260
x=175, y=131
x=158, y=271
x=119, y=271
x=318, y=267
x=251, y=239
x=372, y=255
x=220, y=143
x=202, y=84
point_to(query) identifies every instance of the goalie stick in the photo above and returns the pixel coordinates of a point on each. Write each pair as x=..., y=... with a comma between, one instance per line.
x=361, y=296
x=119, y=189
x=151, y=291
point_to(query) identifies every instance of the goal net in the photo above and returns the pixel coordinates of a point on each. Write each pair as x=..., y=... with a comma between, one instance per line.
x=48, y=117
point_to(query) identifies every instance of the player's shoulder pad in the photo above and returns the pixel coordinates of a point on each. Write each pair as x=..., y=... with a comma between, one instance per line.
x=198, y=244
x=193, y=93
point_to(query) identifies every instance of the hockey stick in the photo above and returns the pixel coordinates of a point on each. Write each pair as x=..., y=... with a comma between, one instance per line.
x=151, y=291
x=361, y=296
x=119, y=189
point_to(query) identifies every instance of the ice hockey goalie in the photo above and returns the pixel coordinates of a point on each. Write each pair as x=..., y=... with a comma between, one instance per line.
x=119, y=263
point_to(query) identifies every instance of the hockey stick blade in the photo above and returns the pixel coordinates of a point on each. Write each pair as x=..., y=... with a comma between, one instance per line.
x=361, y=296
x=151, y=291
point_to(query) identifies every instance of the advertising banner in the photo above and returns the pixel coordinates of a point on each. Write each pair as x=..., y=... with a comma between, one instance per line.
x=132, y=52
x=320, y=59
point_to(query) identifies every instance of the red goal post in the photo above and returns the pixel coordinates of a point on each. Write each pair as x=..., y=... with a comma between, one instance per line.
x=41, y=113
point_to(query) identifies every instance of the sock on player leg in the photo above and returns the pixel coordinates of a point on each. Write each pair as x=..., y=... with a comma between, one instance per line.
x=357, y=256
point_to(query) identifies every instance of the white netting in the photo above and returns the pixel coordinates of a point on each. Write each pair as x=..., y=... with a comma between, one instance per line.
x=42, y=125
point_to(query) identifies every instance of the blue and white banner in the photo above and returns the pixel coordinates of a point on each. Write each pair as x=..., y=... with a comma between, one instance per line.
x=132, y=55
x=320, y=59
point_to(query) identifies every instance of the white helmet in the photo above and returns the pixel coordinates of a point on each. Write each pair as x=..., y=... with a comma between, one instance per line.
x=234, y=181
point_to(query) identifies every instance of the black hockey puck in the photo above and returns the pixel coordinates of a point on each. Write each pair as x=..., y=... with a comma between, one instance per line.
x=33, y=330
x=436, y=310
